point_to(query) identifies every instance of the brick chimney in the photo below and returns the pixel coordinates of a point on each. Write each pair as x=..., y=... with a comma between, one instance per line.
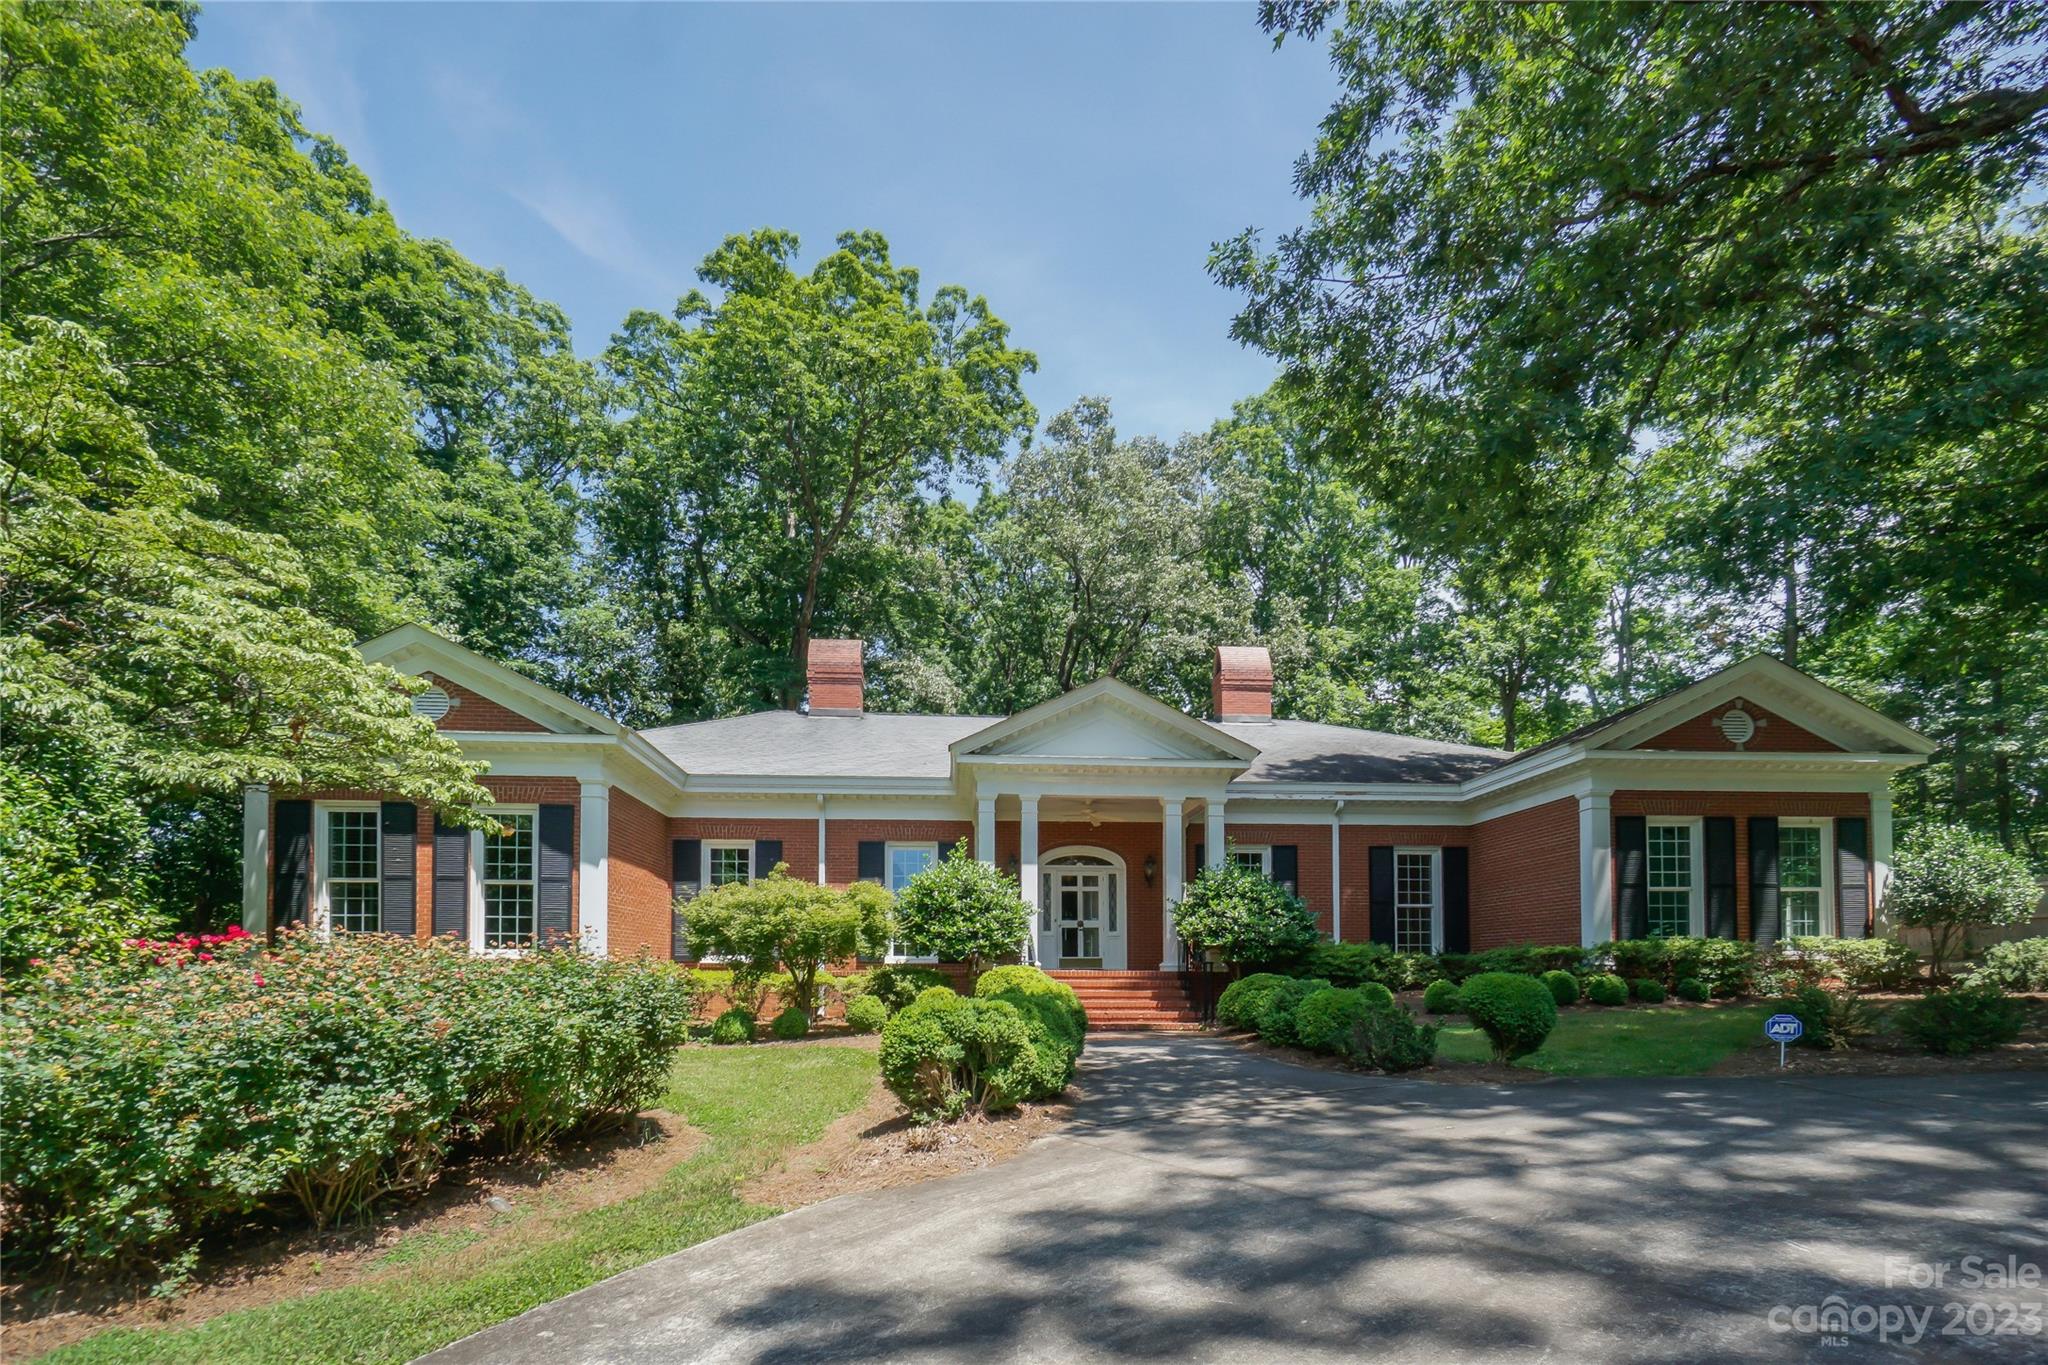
x=832, y=672
x=1241, y=686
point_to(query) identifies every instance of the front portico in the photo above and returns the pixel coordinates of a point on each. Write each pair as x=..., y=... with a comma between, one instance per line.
x=1101, y=784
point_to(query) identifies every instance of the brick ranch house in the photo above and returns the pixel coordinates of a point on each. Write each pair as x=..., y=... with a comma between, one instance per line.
x=1753, y=803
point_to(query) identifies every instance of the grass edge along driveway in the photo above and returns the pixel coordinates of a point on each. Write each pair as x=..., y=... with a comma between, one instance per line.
x=1624, y=1041
x=753, y=1104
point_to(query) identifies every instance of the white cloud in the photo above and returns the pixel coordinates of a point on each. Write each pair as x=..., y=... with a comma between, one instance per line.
x=590, y=220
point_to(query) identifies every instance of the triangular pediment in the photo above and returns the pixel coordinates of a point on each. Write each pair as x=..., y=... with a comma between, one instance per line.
x=470, y=677
x=1760, y=705
x=1106, y=721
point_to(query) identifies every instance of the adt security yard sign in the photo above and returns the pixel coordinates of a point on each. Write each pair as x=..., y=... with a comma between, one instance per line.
x=1783, y=1028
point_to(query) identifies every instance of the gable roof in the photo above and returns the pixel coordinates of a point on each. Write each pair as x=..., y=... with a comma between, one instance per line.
x=1187, y=739
x=1310, y=751
x=788, y=744
x=416, y=649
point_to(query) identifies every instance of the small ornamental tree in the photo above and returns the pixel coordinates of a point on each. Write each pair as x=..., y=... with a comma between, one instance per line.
x=777, y=923
x=1240, y=912
x=1948, y=881
x=962, y=910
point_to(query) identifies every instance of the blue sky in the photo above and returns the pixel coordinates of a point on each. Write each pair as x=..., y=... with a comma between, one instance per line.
x=1071, y=162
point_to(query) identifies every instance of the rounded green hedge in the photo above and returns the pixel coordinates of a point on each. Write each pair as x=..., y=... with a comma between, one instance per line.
x=1649, y=990
x=790, y=1025
x=1516, y=1013
x=1695, y=990
x=1276, y=1020
x=1606, y=989
x=736, y=1025
x=945, y=1052
x=866, y=1014
x=1564, y=987
x=1324, y=1021
x=1244, y=999
x=1440, y=997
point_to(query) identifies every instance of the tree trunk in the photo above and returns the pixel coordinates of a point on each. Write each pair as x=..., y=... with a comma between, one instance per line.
x=2001, y=761
x=1791, y=643
x=1510, y=702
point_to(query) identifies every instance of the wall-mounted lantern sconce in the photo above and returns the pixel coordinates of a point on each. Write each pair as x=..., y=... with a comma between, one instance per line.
x=1151, y=868
x=1013, y=864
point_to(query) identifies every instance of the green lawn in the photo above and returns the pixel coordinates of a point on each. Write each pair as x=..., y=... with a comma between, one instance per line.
x=1629, y=1041
x=752, y=1105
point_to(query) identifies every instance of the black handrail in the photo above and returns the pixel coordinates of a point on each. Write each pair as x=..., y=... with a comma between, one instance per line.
x=1198, y=977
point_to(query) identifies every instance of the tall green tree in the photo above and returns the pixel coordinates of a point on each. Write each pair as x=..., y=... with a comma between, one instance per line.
x=762, y=436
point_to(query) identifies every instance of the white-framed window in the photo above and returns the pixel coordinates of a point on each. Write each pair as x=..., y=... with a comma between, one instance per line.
x=508, y=881
x=1418, y=901
x=1675, y=888
x=349, y=860
x=1806, y=877
x=728, y=860
x=1258, y=857
x=901, y=862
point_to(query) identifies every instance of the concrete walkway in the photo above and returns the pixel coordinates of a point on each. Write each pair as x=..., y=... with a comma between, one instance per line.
x=1211, y=1205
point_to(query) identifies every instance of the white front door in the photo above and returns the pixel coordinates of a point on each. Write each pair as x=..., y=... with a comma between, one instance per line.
x=1081, y=915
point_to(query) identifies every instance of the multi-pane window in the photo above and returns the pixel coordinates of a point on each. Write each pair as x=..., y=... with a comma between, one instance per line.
x=1414, y=901
x=1253, y=858
x=351, y=871
x=906, y=861
x=1800, y=884
x=728, y=863
x=509, y=883
x=1671, y=880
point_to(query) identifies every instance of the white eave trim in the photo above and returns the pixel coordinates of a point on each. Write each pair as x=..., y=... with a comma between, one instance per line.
x=714, y=784
x=1080, y=763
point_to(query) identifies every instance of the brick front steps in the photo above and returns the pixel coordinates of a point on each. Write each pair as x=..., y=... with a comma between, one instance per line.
x=1120, y=1001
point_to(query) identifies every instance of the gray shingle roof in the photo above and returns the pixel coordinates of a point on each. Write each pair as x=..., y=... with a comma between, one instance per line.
x=785, y=744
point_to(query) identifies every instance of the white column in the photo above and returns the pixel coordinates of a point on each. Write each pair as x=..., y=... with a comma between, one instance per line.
x=256, y=858
x=1027, y=868
x=985, y=830
x=1337, y=874
x=593, y=871
x=1880, y=859
x=1216, y=852
x=1596, y=871
x=1173, y=857
x=821, y=839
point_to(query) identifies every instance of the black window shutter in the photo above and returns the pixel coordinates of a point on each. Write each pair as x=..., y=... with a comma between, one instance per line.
x=870, y=867
x=1631, y=876
x=686, y=873
x=1766, y=920
x=1196, y=862
x=294, y=821
x=451, y=879
x=1457, y=900
x=397, y=899
x=1287, y=866
x=1718, y=833
x=767, y=853
x=1380, y=862
x=557, y=829
x=1852, y=875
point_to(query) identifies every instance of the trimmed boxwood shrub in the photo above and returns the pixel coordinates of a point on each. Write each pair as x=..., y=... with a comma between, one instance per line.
x=1276, y=1020
x=1516, y=1013
x=791, y=1024
x=897, y=984
x=1863, y=964
x=1564, y=987
x=736, y=1025
x=143, y=1106
x=1323, y=1022
x=1052, y=1014
x=1440, y=997
x=1388, y=1038
x=1606, y=989
x=1649, y=991
x=1000, y=983
x=943, y=1052
x=2021, y=965
x=1966, y=1019
x=1694, y=989
x=866, y=1014
x=1243, y=999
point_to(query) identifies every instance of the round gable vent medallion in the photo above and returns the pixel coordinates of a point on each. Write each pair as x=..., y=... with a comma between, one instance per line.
x=432, y=703
x=1736, y=725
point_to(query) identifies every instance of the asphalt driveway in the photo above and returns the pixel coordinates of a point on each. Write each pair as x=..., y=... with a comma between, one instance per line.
x=1211, y=1205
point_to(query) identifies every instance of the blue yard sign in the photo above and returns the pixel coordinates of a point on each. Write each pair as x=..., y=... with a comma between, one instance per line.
x=1783, y=1029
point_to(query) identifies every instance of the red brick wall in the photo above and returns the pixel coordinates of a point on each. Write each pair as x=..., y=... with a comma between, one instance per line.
x=1312, y=852
x=1773, y=734
x=843, y=839
x=1525, y=876
x=474, y=711
x=799, y=838
x=1740, y=805
x=1358, y=842
x=638, y=874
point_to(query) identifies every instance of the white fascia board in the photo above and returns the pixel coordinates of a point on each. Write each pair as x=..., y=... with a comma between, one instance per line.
x=1447, y=792
x=1664, y=771
x=771, y=807
x=1834, y=716
x=1514, y=772
x=408, y=644
x=702, y=784
x=1067, y=763
x=613, y=759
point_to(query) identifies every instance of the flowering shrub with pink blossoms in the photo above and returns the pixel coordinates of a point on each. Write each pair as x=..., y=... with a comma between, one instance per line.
x=205, y=1080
